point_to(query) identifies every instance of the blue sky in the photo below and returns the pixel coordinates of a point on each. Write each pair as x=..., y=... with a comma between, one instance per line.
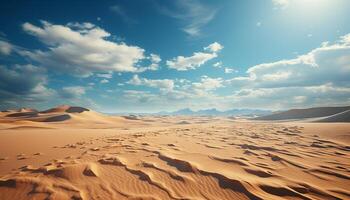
x=153, y=55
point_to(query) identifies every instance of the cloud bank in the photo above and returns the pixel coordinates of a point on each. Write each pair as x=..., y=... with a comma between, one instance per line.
x=81, y=49
x=320, y=77
x=23, y=84
x=317, y=78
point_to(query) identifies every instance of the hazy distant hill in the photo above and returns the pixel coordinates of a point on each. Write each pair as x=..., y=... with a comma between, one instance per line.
x=207, y=112
x=317, y=112
x=215, y=112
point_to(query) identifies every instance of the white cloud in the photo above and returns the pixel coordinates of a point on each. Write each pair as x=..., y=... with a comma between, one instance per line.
x=208, y=84
x=82, y=50
x=214, y=47
x=183, y=90
x=155, y=60
x=182, y=63
x=299, y=99
x=320, y=77
x=135, y=80
x=280, y=4
x=5, y=48
x=192, y=13
x=84, y=25
x=162, y=84
x=229, y=70
x=324, y=64
x=346, y=39
x=258, y=24
x=140, y=97
x=291, y=97
x=277, y=76
x=217, y=64
x=104, y=81
x=107, y=75
x=72, y=92
x=185, y=93
x=317, y=78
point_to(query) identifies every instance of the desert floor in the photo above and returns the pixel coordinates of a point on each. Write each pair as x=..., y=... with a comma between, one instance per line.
x=174, y=158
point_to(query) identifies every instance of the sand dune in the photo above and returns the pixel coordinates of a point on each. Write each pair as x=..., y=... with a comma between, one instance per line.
x=66, y=108
x=74, y=116
x=339, y=117
x=164, y=158
x=298, y=114
x=52, y=115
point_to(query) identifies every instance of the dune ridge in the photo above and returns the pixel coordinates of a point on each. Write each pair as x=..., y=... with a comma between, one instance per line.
x=339, y=117
x=316, y=114
x=66, y=108
x=75, y=116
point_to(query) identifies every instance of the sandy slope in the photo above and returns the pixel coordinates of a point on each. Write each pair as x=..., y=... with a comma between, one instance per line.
x=173, y=158
x=309, y=113
x=339, y=117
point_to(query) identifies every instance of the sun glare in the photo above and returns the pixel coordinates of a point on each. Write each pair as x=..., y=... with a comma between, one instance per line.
x=313, y=6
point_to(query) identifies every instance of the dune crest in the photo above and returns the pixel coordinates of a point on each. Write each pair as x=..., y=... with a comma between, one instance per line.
x=66, y=108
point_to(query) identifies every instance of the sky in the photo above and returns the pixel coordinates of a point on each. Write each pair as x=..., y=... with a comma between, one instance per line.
x=165, y=55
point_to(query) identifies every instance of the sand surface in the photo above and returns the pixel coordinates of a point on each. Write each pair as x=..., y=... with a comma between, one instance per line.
x=173, y=158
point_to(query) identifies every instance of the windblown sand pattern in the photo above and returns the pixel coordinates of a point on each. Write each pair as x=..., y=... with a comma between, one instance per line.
x=164, y=158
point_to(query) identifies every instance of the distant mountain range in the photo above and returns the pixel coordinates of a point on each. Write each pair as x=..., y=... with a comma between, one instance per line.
x=210, y=112
x=316, y=114
x=215, y=112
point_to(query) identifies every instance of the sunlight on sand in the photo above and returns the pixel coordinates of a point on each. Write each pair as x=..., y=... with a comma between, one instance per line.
x=91, y=156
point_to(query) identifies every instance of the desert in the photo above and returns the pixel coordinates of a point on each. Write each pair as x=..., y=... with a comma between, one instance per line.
x=174, y=100
x=89, y=155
